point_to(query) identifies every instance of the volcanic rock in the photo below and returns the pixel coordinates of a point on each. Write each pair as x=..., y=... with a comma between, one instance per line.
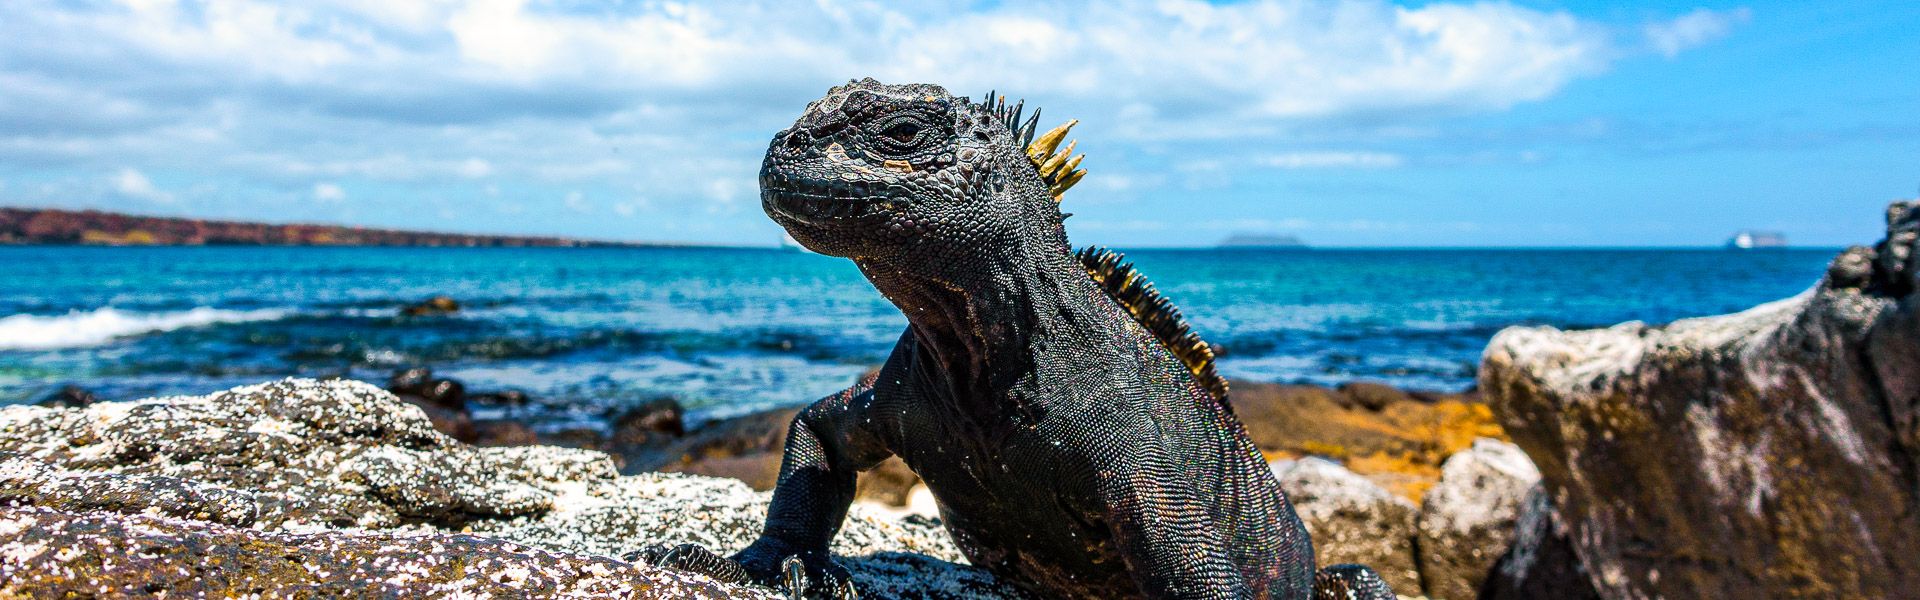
x=654, y=422
x=1467, y=520
x=435, y=306
x=69, y=396
x=1768, y=453
x=1353, y=520
x=305, y=488
x=1541, y=562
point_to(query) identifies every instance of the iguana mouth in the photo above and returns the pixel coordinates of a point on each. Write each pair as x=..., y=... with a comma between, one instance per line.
x=824, y=200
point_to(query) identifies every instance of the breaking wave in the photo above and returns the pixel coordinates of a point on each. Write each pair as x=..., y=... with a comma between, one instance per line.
x=99, y=326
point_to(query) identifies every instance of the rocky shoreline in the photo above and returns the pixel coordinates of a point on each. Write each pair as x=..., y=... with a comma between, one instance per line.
x=343, y=472
x=299, y=487
x=1760, y=454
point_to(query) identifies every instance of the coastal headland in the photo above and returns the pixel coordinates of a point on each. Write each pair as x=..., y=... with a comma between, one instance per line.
x=91, y=227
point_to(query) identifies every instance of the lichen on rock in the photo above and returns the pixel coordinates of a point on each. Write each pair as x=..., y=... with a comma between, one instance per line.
x=1767, y=453
x=355, y=487
x=1467, y=520
x=1352, y=519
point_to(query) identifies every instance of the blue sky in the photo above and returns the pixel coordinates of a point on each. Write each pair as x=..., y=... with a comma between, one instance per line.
x=1351, y=123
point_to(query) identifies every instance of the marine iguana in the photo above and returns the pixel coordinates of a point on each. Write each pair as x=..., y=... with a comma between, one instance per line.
x=1071, y=427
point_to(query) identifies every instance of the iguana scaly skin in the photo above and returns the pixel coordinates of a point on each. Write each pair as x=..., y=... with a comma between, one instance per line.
x=1074, y=434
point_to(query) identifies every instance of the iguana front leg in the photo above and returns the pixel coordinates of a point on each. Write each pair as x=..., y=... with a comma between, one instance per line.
x=825, y=450
x=828, y=443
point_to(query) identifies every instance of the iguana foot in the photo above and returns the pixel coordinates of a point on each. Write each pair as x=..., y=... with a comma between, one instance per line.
x=799, y=574
x=793, y=576
x=1350, y=582
x=692, y=557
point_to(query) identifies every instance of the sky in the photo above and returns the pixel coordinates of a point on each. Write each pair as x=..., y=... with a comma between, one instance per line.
x=1343, y=122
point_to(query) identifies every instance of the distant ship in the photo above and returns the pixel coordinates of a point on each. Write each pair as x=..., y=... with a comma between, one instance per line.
x=1261, y=240
x=1748, y=239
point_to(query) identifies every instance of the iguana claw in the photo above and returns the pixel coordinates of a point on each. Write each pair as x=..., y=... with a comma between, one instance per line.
x=793, y=577
x=791, y=580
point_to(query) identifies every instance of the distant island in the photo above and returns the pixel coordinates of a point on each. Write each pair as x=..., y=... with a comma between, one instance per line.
x=90, y=227
x=1261, y=240
x=1749, y=239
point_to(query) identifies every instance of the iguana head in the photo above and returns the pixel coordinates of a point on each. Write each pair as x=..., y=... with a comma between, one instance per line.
x=925, y=185
x=878, y=171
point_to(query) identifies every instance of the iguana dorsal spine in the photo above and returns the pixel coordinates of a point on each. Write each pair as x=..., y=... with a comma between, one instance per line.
x=1131, y=290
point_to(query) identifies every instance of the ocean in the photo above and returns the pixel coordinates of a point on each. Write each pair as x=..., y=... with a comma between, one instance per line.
x=725, y=331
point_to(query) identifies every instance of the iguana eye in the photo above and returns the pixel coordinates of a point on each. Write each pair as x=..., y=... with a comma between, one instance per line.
x=903, y=133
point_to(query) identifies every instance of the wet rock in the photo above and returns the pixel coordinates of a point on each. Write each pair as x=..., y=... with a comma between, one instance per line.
x=435, y=306
x=410, y=381
x=1353, y=520
x=502, y=432
x=419, y=385
x=444, y=401
x=1540, y=563
x=453, y=422
x=747, y=447
x=1767, y=453
x=653, y=423
x=505, y=398
x=1467, y=520
x=1372, y=396
x=152, y=494
x=446, y=393
x=69, y=396
x=586, y=438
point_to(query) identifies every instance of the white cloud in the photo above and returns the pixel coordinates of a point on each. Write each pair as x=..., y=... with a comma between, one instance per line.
x=1258, y=59
x=1694, y=29
x=1329, y=160
x=134, y=184
x=328, y=192
x=725, y=196
x=577, y=202
x=679, y=100
x=474, y=168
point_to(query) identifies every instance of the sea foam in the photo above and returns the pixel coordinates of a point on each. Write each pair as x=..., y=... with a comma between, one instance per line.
x=99, y=326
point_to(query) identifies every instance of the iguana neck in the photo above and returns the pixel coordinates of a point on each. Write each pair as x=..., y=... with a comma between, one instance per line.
x=989, y=322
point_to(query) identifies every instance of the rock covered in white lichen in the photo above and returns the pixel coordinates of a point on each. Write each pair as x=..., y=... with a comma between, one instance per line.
x=1467, y=519
x=342, y=477
x=1352, y=519
x=49, y=553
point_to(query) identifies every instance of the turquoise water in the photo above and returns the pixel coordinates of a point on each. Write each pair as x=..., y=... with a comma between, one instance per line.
x=728, y=330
